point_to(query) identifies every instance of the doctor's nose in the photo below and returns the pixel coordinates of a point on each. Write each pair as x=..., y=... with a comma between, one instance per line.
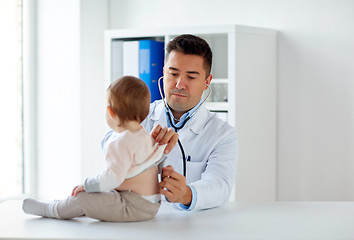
x=181, y=83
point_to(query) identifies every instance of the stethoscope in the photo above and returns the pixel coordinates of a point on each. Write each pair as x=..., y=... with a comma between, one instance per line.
x=184, y=123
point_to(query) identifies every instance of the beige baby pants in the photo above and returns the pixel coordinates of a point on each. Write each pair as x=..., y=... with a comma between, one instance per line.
x=111, y=206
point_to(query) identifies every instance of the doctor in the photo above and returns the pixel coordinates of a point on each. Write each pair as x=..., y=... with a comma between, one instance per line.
x=209, y=144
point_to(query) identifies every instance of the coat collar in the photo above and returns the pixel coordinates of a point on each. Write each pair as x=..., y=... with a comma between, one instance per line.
x=158, y=115
x=199, y=120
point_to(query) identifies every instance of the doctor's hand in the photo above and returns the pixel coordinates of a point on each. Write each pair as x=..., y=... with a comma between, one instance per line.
x=173, y=186
x=164, y=135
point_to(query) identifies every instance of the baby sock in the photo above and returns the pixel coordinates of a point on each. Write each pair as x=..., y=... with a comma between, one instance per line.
x=34, y=207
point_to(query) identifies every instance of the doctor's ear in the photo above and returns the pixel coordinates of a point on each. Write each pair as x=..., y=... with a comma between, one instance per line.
x=208, y=81
x=111, y=112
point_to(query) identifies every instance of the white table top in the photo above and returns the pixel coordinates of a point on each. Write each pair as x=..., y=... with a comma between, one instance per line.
x=272, y=220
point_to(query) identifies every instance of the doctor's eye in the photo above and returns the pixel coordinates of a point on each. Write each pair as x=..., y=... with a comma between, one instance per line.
x=173, y=74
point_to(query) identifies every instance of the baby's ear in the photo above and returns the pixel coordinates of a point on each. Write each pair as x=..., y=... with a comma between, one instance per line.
x=111, y=113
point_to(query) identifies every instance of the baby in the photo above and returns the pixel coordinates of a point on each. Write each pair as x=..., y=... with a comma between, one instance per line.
x=127, y=190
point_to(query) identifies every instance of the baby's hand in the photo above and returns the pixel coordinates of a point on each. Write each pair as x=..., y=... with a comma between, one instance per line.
x=77, y=189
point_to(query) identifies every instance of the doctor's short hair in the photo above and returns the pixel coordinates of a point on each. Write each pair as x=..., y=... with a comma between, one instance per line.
x=129, y=98
x=194, y=45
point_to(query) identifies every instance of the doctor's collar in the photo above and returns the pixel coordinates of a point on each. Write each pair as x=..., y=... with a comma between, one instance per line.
x=184, y=116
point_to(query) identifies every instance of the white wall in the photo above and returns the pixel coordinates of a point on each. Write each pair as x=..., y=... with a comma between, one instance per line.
x=315, y=80
x=93, y=20
x=315, y=84
x=58, y=97
x=70, y=95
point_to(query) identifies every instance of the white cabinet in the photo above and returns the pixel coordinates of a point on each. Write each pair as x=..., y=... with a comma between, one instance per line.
x=244, y=92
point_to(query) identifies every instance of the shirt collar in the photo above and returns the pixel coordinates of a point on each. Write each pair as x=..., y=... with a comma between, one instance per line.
x=183, y=117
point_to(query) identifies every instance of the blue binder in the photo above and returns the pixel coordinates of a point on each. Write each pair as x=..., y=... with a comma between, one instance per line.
x=151, y=61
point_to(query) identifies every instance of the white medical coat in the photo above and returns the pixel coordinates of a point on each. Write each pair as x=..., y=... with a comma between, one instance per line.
x=212, y=145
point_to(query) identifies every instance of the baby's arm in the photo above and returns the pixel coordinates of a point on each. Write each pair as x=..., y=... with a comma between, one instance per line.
x=118, y=161
x=105, y=181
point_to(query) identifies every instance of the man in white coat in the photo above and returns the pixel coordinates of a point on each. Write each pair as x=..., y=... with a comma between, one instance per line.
x=209, y=144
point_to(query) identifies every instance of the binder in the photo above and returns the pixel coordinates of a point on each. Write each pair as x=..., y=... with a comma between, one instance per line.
x=151, y=61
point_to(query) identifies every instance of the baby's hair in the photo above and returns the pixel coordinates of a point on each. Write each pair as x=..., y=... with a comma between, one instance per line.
x=129, y=99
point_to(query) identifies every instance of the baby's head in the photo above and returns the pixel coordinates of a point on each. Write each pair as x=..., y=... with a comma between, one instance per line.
x=129, y=99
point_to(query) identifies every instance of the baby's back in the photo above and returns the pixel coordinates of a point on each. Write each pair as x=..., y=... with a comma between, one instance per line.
x=146, y=183
x=141, y=148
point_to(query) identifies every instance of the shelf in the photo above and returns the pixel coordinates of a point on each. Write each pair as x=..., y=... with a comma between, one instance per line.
x=219, y=80
x=217, y=106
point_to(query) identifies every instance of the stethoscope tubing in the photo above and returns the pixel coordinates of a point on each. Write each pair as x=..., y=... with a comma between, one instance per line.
x=180, y=127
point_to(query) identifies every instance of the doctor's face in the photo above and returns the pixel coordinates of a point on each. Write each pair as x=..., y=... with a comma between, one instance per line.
x=184, y=81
